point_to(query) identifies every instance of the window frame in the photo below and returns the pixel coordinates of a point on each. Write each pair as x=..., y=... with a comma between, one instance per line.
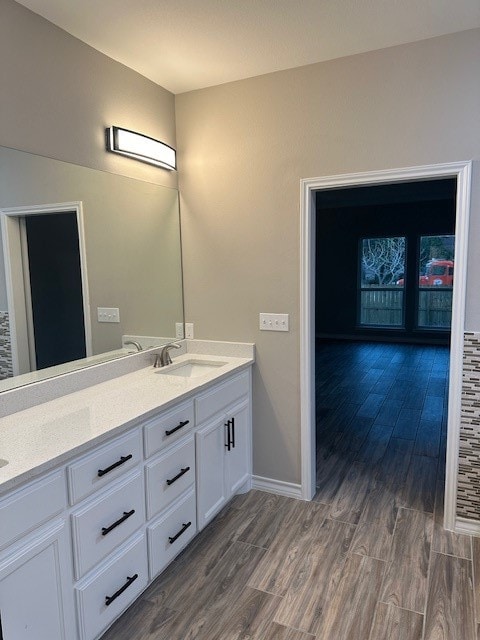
x=360, y=288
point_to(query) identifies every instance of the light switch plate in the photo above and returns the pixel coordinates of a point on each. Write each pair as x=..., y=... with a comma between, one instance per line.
x=108, y=314
x=274, y=321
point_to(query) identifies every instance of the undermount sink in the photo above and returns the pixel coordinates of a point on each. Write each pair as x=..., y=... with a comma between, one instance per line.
x=3, y=463
x=191, y=368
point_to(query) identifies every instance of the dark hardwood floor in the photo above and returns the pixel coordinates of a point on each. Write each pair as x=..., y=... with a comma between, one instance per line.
x=368, y=559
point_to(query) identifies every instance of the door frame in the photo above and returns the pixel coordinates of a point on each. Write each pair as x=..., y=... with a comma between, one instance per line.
x=10, y=219
x=462, y=172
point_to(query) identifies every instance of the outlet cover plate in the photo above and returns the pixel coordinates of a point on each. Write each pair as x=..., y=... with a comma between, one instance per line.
x=179, y=333
x=274, y=321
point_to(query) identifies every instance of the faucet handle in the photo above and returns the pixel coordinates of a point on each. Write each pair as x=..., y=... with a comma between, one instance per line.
x=163, y=358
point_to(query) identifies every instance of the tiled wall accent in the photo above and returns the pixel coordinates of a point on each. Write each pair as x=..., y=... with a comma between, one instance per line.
x=5, y=347
x=468, y=495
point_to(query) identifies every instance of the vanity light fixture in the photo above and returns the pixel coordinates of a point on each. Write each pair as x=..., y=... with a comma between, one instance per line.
x=136, y=145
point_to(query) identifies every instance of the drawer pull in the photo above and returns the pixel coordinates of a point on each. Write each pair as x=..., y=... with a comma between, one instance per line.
x=110, y=599
x=126, y=515
x=227, y=438
x=179, y=475
x=179, y=426
x=123, y=459
x=177, y=535
x=233, y=433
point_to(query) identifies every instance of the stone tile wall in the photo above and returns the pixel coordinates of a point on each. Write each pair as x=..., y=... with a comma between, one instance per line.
x=468, y=492
x=5, y=347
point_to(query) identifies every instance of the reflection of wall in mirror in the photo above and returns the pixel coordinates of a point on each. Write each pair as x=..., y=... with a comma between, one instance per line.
x=53, y=105
x=6, y=365
x=132, y=240
x=5, y=347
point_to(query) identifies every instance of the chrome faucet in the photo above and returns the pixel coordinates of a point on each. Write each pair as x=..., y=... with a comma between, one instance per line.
x=163, y=358
x=135, y=344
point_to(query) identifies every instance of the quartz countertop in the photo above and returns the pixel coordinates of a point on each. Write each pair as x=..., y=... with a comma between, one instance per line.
x=41, y=438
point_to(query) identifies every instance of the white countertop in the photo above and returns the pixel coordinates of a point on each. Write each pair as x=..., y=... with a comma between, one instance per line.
x=40, y=438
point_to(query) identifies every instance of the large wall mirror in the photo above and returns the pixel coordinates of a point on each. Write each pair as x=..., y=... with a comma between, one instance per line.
x=77, y=245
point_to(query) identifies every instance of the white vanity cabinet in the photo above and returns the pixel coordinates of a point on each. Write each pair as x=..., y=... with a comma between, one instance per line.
x=107, y=491
x=35, y=593
x=223, y=445
x=108, y=590
x=36, y=598
x=102, y=524
x=81, y=543
x=170, y=483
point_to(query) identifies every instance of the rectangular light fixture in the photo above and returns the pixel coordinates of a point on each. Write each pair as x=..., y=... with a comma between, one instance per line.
x=140, y=147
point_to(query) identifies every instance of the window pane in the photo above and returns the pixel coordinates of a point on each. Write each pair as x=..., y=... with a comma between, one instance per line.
x=382, y=280
x=435, y=281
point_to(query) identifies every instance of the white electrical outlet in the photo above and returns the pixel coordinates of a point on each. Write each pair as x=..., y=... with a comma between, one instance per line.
x=179, y=330
x=274, y=321
x=108, y=314
x=189, y=330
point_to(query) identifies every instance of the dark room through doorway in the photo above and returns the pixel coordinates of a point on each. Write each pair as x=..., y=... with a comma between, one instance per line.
x=384, y=284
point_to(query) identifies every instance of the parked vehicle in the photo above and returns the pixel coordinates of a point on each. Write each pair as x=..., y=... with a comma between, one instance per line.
x=438, y=273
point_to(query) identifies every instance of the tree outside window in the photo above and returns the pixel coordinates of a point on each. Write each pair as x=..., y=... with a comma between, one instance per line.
x=383, y=261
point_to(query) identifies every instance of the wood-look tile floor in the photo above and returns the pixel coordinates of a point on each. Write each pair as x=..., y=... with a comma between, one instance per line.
x=368, y=559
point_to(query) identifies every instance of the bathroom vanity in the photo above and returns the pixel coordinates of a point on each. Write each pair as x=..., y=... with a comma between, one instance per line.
x=103, y=487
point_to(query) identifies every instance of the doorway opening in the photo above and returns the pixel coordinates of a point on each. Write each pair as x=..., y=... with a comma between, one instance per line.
x=47, y=292
x=382, y=346
x=434, y=350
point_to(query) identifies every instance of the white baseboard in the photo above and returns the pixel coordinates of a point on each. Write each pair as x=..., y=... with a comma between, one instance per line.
x=289, y=489
x=467, y=526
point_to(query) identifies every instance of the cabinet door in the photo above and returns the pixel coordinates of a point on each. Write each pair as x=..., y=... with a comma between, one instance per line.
x=35, y=589
x=238, y=459
x=211, y=490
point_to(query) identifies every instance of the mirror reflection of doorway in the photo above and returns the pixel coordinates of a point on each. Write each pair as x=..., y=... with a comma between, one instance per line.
x=53, y=289
x=47, y=288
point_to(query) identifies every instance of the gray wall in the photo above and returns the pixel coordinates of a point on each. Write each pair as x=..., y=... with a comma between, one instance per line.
x=59, y=94
x=243, y=148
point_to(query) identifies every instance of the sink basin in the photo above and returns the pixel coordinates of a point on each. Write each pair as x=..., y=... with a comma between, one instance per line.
x=3, y=463
x=191, y=368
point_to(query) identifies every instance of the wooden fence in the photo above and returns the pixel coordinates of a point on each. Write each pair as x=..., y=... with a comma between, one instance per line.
x=383, y=306
x=435, y=307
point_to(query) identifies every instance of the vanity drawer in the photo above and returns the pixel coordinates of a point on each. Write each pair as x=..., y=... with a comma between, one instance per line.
x=169, y=475
x=217, y=399
x=95, y=470
x=115, y=578
x=103, y=524
x=27, y=508
x=170, y=534
x=168, y=427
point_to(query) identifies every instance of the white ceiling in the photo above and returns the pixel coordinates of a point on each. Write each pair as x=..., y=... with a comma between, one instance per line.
x=189, y=44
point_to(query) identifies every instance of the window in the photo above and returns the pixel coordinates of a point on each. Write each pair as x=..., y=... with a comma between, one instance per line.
x=435, y=281
x=382, y=281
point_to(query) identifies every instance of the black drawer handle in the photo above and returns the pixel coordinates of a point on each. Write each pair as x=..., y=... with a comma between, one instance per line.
x=179, y=475
x=110, y=599
x=228, y=444
x=182, y=530
x=233, y=433
x=180, y=425
x=123, y=459
x=126, y=515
